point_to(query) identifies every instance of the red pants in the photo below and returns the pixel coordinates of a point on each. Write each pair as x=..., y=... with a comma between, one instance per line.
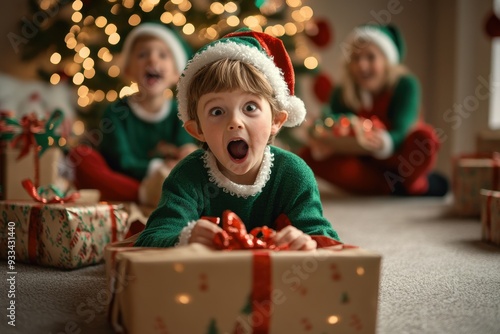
x=92, y=172
x=406, y=169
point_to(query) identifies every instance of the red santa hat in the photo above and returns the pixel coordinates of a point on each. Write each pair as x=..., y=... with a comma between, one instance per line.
x=265, y=52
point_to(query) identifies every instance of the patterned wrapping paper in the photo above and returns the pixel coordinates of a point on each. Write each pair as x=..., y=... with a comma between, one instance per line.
x=490, y=216
x=61, y=235
x=192, y=289
x=472, y=173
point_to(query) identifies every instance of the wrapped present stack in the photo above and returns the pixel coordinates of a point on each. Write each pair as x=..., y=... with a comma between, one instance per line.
x=471, y=173
x=490, y=216
x=29, y=149
x=256, y=286
x=53, y=230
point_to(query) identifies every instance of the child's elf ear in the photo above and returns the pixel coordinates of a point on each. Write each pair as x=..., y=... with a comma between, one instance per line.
x=278, y=121
x=193, y=129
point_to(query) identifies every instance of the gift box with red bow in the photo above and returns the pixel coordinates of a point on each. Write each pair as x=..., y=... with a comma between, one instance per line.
x=246, y=284
x=490, y=216
x=52, y=231
x=28, y=149
x=343, y=126
x=471, y=173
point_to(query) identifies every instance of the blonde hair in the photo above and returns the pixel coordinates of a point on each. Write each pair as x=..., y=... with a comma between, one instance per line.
x=226, y=75
x=350, y=91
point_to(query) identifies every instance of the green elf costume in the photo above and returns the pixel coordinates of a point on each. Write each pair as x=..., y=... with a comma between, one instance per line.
x=126, y=152
x=285, y=185
x=403, y=165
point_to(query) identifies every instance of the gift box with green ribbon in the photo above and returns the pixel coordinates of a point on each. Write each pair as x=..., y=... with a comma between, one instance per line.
x=28, y=149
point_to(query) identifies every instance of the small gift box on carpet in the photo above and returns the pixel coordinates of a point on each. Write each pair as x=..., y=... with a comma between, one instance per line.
x=471, y=173
x=194, y=289
x=344, y=135
x=488, y=141
x=490, y=216
x=68, y=235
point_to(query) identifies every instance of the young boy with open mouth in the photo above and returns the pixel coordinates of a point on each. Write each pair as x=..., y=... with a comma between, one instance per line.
x=234, y=96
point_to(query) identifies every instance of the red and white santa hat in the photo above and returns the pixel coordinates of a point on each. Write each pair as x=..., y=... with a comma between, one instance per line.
x=265, y=52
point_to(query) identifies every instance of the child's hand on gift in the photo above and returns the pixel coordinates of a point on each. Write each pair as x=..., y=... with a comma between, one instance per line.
x=368, y=138
x=203, y=232
x=295, y=238
x=372, y=140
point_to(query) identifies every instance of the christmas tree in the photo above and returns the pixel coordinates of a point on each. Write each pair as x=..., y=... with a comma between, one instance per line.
x=82, y=38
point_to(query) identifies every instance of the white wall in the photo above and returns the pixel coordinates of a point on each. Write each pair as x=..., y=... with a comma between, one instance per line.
x=495, y=77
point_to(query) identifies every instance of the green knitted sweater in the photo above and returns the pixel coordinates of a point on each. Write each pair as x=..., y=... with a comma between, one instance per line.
x=129, y=141
x=196, y=187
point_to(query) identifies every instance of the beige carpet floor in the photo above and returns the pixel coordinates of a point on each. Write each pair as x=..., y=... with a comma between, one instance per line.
x=437, y=276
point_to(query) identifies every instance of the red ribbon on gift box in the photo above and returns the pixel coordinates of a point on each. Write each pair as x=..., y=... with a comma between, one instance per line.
x=495, y=160
x=30, y=125
x=35, y=230
x=30, y=132
x=35, y=218
x=234, y=236
x=32, y=191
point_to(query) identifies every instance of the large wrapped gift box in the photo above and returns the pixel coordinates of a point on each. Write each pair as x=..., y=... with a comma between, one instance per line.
x=490, y=216
x=472, y=173
x=60, y=235
x=193, y=289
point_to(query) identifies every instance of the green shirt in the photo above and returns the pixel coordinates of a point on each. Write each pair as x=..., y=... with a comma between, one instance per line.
x=193, y=190
x=402, y=112
x=128, y=141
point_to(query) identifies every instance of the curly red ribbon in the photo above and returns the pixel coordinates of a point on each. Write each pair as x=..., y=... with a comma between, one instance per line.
x=31, y=190
x=30, y=126
x=234, y=235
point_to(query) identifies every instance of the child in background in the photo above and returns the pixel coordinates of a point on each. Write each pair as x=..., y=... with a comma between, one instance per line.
x=142, y=135
x=394, y=160
x=234, y=98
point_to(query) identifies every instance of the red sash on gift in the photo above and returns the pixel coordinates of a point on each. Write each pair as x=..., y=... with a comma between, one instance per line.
x=261, y=292
x=34, y=230
x=235, y=237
